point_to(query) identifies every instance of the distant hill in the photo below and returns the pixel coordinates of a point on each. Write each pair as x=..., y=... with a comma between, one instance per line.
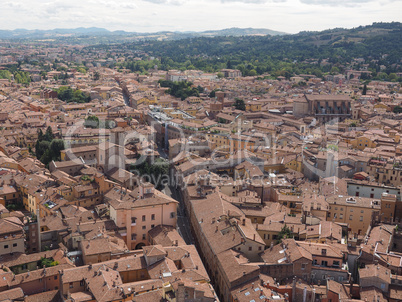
x=306, y=52
x=101, y=32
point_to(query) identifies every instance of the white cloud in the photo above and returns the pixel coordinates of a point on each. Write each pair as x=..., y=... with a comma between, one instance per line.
x=347, y=3
x=253, y=1
x=168, y=2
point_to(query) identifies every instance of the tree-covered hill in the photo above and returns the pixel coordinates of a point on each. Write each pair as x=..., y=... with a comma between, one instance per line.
x=378, y=44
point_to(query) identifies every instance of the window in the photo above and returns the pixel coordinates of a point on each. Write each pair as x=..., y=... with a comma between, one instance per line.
x=250, y=248
x=6, y=246
x=303, y=266
x=153, y=217
x=341, y=216
x=133, y=236
x=82, y=283
x=143, y=217
x=14, y=244
x=143, y=236
x=361, y=218
x=144, y=227
x=172, y=215
x=259, y=248
x=152, y=226
x=71, y=285
x=55, y=277
x=351, y=217
x=133, y=219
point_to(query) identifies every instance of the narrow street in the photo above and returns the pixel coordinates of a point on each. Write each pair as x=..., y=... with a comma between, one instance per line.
x=183, y=223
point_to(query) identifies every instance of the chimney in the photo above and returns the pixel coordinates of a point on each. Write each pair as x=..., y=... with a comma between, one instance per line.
x=253, y=237
x=216, y=229
x=244, y=221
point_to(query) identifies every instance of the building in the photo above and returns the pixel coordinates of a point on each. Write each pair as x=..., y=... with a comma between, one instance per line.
x=12, y=236
x=357, y=212
x=323, y=107
x=135, y=215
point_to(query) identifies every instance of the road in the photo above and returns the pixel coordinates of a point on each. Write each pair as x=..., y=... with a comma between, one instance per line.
x=183, y=223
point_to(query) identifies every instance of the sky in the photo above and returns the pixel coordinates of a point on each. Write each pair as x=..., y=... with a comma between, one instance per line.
x=290, y=16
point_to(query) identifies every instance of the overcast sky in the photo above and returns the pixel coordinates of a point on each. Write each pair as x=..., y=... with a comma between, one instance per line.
x=289, y=16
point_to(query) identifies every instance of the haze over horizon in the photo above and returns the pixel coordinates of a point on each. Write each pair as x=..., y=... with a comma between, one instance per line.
x=290, y=16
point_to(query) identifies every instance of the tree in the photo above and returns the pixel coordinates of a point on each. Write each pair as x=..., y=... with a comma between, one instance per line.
x=284, y=233
x=397, y=109
x=334, y=70
x=40, y=134
x=56, y=146
x=92, y=121
x=41, y=147
x=364, y=89
x=48, y=134
x=240, y=105
x=96, y=76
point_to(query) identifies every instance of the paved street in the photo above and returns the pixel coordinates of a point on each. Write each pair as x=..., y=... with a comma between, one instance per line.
x=183, y=224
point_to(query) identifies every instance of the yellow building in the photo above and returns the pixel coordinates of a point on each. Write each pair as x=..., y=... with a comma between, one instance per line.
x=362, y=142
x=293, y=162
x=253, y=106
x=194, y=100
x=357, y=212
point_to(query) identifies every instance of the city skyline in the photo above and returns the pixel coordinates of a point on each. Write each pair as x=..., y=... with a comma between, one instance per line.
x=290, y=16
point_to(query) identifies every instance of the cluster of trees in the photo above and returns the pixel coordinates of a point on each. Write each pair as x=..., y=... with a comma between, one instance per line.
x=181, y=89
x=5, y=74
x=156, y=173
x=140, y=66
x=67, y=94
x=22, y=77
x=93, y=121
x=397, y=109
x=47, y=148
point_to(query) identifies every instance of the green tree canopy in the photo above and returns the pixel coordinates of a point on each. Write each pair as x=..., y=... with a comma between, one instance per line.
x=239, y=104
x=67, y=94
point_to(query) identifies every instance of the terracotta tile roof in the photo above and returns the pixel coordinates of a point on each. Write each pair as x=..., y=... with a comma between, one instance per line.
x=377, y=271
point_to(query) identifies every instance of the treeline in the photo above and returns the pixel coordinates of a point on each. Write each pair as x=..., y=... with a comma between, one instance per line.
x=304, y=53
x=20, y=77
